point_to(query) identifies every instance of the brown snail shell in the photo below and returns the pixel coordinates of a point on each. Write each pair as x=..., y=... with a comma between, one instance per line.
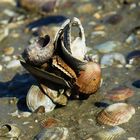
x=40, y=52
x=36, y=98
x=116, y=114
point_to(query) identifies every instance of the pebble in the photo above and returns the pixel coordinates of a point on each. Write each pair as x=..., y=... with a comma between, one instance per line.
x=131, y=138
x=8, y=50
x=108, y=46
x=4, y=33
x=6, y=58
x=85, y=9
x=97, y=33
x=110, y=58
x=13, y=64
x=1, y=67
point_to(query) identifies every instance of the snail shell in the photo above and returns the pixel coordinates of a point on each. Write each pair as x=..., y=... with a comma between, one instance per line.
x=40, y=52
x=36, y=98
x=116, y=114
x=10, y=131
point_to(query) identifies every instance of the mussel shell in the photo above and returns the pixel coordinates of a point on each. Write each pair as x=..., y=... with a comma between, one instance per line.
x=40, y=52
x=36, y=98
x=44, y=75
x=116, y=114
x=136, y=83
x=10, y=131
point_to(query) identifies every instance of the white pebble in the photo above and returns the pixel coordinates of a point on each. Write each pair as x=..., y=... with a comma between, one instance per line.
x=13, y=64
x=131, y=138
x=1, y=67
x=6, y=58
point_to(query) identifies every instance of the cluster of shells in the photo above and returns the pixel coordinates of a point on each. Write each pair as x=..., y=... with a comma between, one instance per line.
x=60, y=67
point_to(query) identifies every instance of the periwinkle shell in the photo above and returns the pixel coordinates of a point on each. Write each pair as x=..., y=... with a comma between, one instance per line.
x=36, y=98
x=116, y=114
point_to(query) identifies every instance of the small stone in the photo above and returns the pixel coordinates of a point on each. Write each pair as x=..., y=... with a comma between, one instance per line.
x=97, y=16
x=131, y=138
x=108, y=46
x=6, y=58
x=8, y=50
x=99, y=27
x=13, y=64
x=1, y=67
x=85, y=9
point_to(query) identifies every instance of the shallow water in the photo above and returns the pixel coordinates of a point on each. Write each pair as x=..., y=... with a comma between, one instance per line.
x=79, y=116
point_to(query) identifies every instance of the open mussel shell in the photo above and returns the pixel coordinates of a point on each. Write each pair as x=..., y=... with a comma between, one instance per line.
x=116, y=114
x=76, y=47
x=44, y=75
x=9, y=131
x=39, y=52
x=53, y=133
x=36, y=98
x=110, y=133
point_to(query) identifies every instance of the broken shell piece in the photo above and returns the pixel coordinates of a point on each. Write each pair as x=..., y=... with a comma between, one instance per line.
x=40, y=52
x=119, y=94
x=116, y=114
x=36, y=98
x=110, y=133
x=53, y=133
x=10, y=131
x=54, y=95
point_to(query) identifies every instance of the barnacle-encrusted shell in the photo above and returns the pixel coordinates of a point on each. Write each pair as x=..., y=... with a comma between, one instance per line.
x=40, y=52
x=10, y=131
x=89, y=78
x=110, y=133
x=116, y=114
x=36, y=98
x=119, y=93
